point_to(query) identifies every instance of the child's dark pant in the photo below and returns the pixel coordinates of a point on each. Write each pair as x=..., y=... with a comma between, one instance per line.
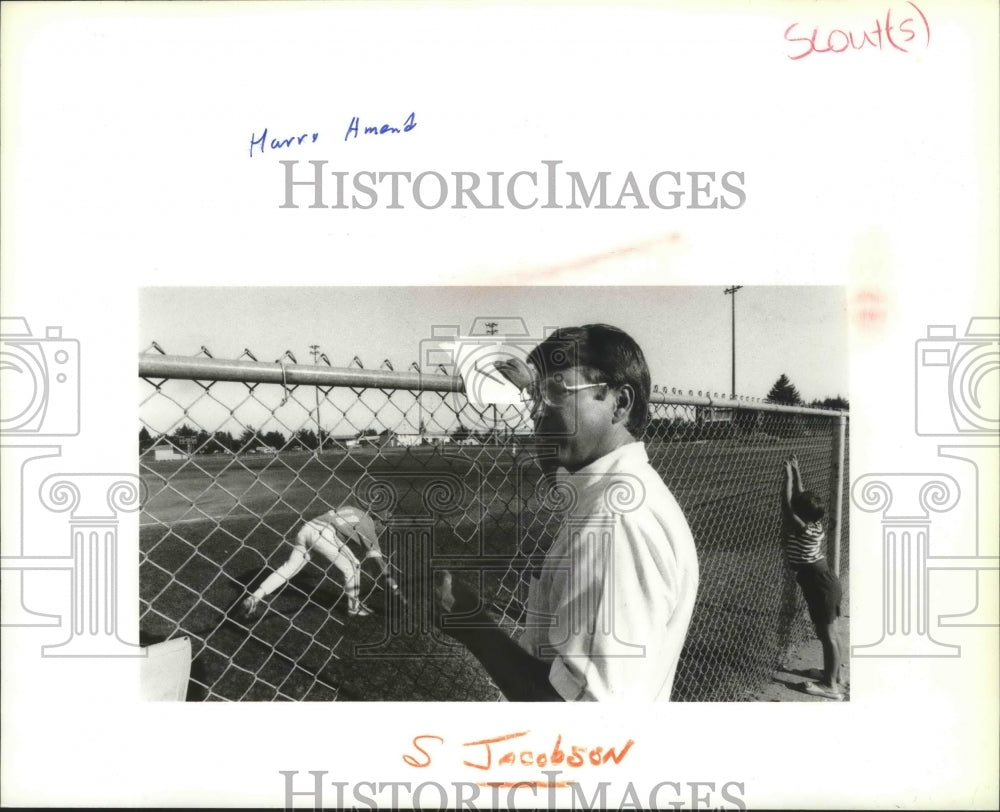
x=821, y=589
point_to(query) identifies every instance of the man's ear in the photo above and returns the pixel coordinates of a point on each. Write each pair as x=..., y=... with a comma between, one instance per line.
x=624, y=401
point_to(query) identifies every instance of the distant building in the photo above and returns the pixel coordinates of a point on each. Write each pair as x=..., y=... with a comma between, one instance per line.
x=386, y=439
x=406, y=440
x=164, y=448
x=709, y=414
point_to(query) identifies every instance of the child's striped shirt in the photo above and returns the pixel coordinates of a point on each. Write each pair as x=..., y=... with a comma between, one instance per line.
x=805, y=544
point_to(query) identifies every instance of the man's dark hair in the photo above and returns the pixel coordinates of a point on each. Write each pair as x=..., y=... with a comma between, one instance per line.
x=607, y=355
x=808, y=506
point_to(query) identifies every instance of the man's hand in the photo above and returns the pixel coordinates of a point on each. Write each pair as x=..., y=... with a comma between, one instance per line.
x=443, y=595
x=249, y=608
x=453, y=599
x=451, y=596
x=515, y=371
x=520, y=676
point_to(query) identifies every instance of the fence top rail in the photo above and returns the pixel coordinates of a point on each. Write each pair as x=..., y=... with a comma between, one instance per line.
x=743, y=404
x=180, y=367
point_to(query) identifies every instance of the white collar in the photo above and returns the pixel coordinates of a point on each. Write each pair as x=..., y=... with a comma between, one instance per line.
x=634, y=452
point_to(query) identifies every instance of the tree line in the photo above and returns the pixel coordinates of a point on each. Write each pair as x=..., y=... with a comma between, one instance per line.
x=785, y=393
x=198, y=441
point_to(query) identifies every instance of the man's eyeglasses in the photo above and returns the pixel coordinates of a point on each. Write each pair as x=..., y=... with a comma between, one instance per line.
x=551, y=392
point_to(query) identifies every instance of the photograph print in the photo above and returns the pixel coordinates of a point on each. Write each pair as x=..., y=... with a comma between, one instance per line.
x=494, y=493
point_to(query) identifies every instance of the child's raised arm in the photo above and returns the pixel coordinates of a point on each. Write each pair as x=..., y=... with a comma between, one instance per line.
x=797, y=476
x=786, y=488
x=791, y=485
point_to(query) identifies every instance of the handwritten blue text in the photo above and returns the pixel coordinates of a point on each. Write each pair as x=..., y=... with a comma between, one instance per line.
x=280, y=143
x=384, y=129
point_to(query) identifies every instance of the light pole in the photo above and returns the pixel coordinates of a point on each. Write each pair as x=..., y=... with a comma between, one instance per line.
x=732, y=292
x=491, y=330
x=314, y=349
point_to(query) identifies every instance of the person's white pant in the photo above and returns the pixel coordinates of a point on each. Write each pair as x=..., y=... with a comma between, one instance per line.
x=319, y=536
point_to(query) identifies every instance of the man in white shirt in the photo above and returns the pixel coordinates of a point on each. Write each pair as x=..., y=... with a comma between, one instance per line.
x=609, y=611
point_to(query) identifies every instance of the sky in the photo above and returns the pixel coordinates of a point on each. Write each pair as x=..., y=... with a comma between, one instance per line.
x=685, y=332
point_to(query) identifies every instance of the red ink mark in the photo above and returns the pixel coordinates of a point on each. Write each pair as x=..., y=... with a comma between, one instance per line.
x=411, y=761
x=617, y=757
x=486, y=743
x=869, y=309
x=927, y=25
x=884, y=33
x=565, y=271
x=577, y=756
x=538, y=784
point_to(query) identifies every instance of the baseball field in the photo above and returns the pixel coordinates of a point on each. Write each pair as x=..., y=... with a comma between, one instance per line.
x=213, y=526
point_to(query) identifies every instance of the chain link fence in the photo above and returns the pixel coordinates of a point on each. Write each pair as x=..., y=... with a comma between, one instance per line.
x=236, y=454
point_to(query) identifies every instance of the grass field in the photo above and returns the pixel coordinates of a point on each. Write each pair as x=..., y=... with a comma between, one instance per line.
x=212, y=526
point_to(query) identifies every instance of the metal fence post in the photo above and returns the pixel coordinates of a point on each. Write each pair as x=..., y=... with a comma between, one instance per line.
x=838, y=483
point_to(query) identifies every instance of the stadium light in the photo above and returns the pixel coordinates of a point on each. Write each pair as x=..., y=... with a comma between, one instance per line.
x=732, y=292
